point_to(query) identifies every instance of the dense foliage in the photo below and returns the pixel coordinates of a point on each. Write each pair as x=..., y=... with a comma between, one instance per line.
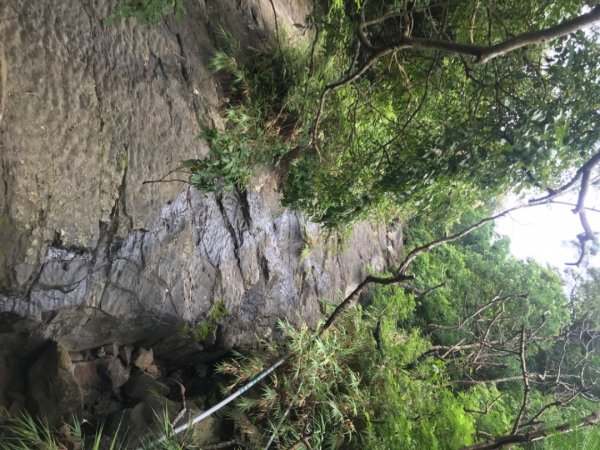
x=147, y=10
x=420, y=128
x=441, y=369
x=375, y=118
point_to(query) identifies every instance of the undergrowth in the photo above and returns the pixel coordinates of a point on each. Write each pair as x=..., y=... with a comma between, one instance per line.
x=25, y=432
x=347, y=388
x=143, y=11
x=272, y=96
x=265, y=116
x=273, y=93
x=28, y=433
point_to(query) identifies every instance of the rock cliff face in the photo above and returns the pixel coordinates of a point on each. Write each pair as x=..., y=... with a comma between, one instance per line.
x=89, y=255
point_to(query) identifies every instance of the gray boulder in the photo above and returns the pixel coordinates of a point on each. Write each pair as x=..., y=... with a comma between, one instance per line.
x=53, y=391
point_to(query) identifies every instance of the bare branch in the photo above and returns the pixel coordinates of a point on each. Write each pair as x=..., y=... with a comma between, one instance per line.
x=419, y=293
x=455, y=237
x=586, y=167
x=546, y=407
x=486, y=334
x=354, y=295
x=492, y=381
x=534, y=37
x=488, y=407
x=472, y=21
x=541, y=433
x=583, y=174
x=183, y=407
x=277, y=35
x=383, y=18
x=492, y=302
x=587, y=208
x=163, y=180
x=526, y=386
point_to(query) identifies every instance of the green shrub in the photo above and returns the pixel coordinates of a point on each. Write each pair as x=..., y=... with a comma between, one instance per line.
x=28, y=433
x=204, y=330
x=349, y=389
x=144, y=11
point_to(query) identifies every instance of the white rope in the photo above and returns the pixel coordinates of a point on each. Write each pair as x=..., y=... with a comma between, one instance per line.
x=225, y=401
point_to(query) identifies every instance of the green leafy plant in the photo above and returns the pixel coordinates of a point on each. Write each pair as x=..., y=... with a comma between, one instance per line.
x=410, y=130
x=143, y=11
x=309, y=241
x=205, y=329
x=28, y=433
x=267, y=119
x=347, y=387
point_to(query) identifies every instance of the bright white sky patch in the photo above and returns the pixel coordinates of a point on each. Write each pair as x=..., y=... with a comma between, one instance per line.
x=544, y=232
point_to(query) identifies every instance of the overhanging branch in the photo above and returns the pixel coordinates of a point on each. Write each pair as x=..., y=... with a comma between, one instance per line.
x=482, y=54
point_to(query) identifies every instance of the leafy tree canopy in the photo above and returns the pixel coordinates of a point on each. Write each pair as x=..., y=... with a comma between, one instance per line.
x=398, y=107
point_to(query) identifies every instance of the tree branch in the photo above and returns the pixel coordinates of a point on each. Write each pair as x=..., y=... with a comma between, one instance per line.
x=546, y=407
x=526, y=387
x=354, y=295
x=455, y=237
x=587, y=208
x=534, y=37
x=420, y=294
x=583, y=173
x=552, y=193
x=542, y=433
x=487, y=407
x=401, y=272
x=497, y=298
x=482, y=54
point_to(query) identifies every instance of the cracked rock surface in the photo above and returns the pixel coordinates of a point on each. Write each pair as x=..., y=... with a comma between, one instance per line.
x=89, y=255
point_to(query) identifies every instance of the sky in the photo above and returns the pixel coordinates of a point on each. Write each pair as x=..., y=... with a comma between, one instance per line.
x=544, y=232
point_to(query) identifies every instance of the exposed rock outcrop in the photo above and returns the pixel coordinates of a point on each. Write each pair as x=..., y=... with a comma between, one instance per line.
x=91, y=110
x=202, y=249
x=52, y=388
x=89, y=255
